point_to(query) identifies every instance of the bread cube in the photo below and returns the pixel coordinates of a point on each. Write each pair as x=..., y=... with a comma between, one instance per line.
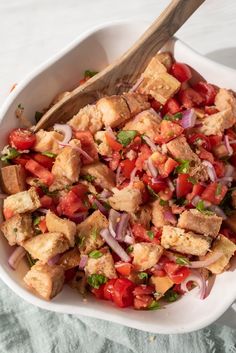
x=13, y=179
x=215, y=124
x=127, y=199
x=48, y=141
x=136, y=102
x=24, y=201
x=161, y=284
x=45, y=246
x=224, y=100
x=46, y=280
x=70, y=259
x=143, y=216
x=65, y=226
x=17, y=229
x=158, y=214
x=114, y=110
x=104, y=265
x=88, y=118
x=104, y=176
x=146, y=255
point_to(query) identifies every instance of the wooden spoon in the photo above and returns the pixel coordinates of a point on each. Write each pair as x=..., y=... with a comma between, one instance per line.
x=127, y=68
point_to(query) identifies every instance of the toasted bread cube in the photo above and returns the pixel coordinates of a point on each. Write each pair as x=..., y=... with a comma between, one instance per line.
x=48, y=141
x=102, y=145
x=146, y=122
x=161, y=284
x=70, y=259
x=65, y=226
x=194, y=220
x=166, y=59
x=89, y=232
x=24, y=201
x=146, y=255
x=17, y=229
x=220, y=151
x=154, y=68
x=227, y=248
x=127, y=199
x=104, y=265
x=114, y=110
x=104, y=176
x=224, y=100
x=13, y=179
x=215, y=124
x=158, y=214
x=45, y=246
x=88, y=118
x=46, y=280
x=180, y=149
x=143, y=216
x=67, y=164
x=136, y=102
x=184, y=242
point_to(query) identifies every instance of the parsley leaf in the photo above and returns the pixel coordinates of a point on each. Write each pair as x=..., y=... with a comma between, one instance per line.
x=218, y=189
x=174, y=117
x=36, y=221
x=150, y=234
x=201, y=208
x=163, y=202
x=129, y=249
x=11, y=154
x=94, y=233
x=183, y=167
x=88, y=177
x=31, y=261
x=89, y=73
x=171, y=296
x=192, y=180
x=182, y=261
x=143, y=275
x=125, y=137
x=49, y=154
x=154, y=305
x=38, y=116
x=95, y=254
x=96, y=280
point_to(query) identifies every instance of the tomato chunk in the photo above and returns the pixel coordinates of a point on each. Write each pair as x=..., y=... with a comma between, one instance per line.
x=22, y=159
x=169, y=131
x=127, y=167
x=156, y=185
x=181, y=71
x=99, y=292
x=46, y=201
x=200, y=140
x=197, y=191
x=8, y=213
x=39, y=171
x=143, y=289
x=43, y=226
x=22, y=139
x=109, y=289
x=214, y=193
x=144, y=154
x=123, y=292
x=116, y=146
x=172, y=106
x=207, y=91
x=123, y=268
x=88, y=145
x=190, y=98
x=176, y=273
x=142, y=302
x=74, y=201
x=166, y=168
x=183, y=185
x=45, y=161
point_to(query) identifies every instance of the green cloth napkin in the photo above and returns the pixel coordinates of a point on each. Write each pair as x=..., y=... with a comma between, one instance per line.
x=25, y=328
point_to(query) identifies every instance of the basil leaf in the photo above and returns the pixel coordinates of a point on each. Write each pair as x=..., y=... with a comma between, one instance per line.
x=36, y=221
x=192, y=180
x=49, y=154
x=182, y=261
x=95, y=254
x=154, y=305
x=201, y=208
x=38, y=116
x=163, y=202
x=96, y=280
x=143, y=275
x=150, y=234
x=129, y=249
x=11, y=154
x=171, y=296
x=31, y=261
x=125, y=137
x=183, y=167
x=174, y=117
x=88, y=177
x=89, y=73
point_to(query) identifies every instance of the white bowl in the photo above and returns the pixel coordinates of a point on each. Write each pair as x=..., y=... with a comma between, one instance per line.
x=94, y=50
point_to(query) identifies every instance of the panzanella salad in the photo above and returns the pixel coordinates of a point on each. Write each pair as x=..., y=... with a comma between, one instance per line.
x=133, y=199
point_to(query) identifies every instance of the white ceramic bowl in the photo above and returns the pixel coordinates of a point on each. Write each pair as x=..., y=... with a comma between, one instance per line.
x=94, y=50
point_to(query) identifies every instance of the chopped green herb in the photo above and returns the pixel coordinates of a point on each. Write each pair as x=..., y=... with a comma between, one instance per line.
x=94, y=206
x=129, y=249
x=201, y=208
x=126, y=137
x=192, y=180
x=95, y=254
x=171, y=296
x=11, y=154
x=38, y=116
x=183, y=167
x=49, y=154
x=143, y=275
x=154, y=305
x=89, y=73
x=88, y=177
x=150, y=234
x=218, y=189
x=36, y=221
x=79, y=240
x=31, y=261
x=96, y=280
x=174, y=117
x=94, y=233
x=151, y=191
x=15, y=230
x=98, y=141
x=181, y=201
x=182, y=261
x=163, y=202
x=46, y=191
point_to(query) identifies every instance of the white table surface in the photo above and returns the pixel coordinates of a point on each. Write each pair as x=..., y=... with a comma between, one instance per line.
x=33, y=30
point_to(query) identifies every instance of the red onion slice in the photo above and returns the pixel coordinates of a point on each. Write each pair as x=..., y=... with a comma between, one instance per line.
x=54, y=260
x=170, y=184
x=205, y=263
x=66, y=130
x=16, y=257
x=210, y=170
x=114, y=218
x=170, y=217
x=152, y=169
x=129, y=239
x=42, y=210
x=197, y=278
x=229, y=170
x=119, y=177
x=105, y=194
x=227, y=145
x=218, y=211
x=132, y=176
x=188, y=118
x=114, y=245
x=78, y=149
x=100, y=206
x=122, y=226
x=150, y=143
x=83, y=261
x=79, y=217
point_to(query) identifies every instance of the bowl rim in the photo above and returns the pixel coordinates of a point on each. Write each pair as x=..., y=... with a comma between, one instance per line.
x=85, y=310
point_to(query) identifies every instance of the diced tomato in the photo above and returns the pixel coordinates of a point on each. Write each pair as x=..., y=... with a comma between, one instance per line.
x=190, y=98
x=181, y=71
x=70, y=204
x=166, y=168
x=80, y=190
x=134, y=145
x=109, y=289
x=204, y=154
x=166, y=194
x=215, y=140
x=21, y=139
x=157, y=185
x=214, y=193
x=183, y=185
x=159, y=273
x=43, y=226
x=143, y=289
x=141, y=233
x=200, y=140
x=169, y=131
x=211, y=110
x=39, y=171
x=155, y=104
x=99, y=292
x=45, y=161
x=197, y=191
x=115, y=161
x=70, y=274
x=22, y=159
x=115, y=146
x=88, y=145
x=46, y=201
x=123, y=268
x=142, y=301
x=176, y=273
x=123, y=292
x=8, y=213
x=172, y=106
x=219, y=168
x=207, y=91
x=127, y=166
x=144, y=154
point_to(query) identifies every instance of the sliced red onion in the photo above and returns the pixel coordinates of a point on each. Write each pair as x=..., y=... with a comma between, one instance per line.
x=42, y=210
x=205, y=263
x=229, y=170
x=150, y=143
x=136, y=85
x=197, y=278
x=218, y=211
x=227, y=145
x=100, y=206
x=114, y=245
x=132, y=176
x=225, y=180
x=79, y=217
x=83, y=261
x=105, y=194
x=54, y=260
x=107, y=159
x=170, y=217
x=66, y=130
x=16, y=257
x=170, y=255
x=114, y=218
x=78, y=149
x=129, y=239
x=122, y=226
x=188, y=118
x=170, y=184
x=152, y=169
x=118, y=176
x=210, y=170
